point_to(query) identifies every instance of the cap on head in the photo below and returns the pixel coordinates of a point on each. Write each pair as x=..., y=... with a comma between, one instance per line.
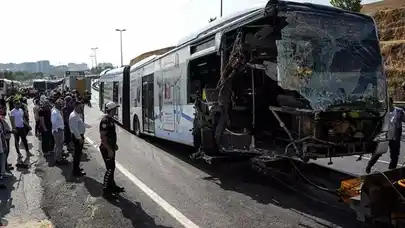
x=68, y=98
x=110, y=105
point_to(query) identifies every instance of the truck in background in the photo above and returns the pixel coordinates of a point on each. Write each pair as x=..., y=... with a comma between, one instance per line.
x=77, y=80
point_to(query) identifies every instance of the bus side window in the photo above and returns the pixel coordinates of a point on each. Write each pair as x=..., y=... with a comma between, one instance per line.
x=204, y=74
x=195, y=87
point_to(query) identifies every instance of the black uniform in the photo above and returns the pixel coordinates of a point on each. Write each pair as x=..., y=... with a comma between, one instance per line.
x=107, y=124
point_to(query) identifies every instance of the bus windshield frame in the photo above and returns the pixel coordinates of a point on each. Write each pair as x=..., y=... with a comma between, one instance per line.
x=331, y=59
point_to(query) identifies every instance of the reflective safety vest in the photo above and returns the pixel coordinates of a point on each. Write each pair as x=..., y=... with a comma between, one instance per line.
x=204, y=95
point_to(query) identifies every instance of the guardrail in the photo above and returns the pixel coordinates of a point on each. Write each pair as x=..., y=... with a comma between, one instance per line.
x=95, y=85
x=400, y=104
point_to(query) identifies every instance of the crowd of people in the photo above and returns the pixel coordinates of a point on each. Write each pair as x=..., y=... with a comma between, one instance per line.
x=59, y=122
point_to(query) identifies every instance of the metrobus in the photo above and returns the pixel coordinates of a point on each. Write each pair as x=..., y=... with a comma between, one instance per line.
x=39, y=85
x=280, y=75
x=7, y=85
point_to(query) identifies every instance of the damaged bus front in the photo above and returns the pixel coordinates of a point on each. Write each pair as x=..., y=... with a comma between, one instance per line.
x=301, y=80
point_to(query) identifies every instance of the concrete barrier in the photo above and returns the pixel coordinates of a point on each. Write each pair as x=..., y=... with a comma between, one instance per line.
x=400, y=104
x=95, y=85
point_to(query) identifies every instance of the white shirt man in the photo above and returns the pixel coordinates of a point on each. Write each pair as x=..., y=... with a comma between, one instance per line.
x=57, y=130
x=78, y=129
x=76, y=125
x=18, y=115
x=57, y=120
x=20, y=132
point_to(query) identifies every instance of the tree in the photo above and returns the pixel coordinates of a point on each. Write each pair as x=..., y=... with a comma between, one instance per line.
x=350, y=5
x=100, y=67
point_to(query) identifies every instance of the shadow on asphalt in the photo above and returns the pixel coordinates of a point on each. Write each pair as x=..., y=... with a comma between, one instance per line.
x=66, y=169
x=240, y=177
x=6, y=202
x=130, y=210
x=25, y=165
x=21, y=146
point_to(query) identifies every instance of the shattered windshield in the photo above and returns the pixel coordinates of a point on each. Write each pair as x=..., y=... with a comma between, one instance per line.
x=331, y=59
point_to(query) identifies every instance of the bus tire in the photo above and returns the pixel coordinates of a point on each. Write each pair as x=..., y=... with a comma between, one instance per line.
x=136, y=127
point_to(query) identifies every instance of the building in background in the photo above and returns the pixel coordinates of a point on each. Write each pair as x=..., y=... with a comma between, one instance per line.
x=44, y=66
x=77, y=66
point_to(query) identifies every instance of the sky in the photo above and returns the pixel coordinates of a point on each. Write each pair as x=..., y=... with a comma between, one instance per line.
x=64, y=31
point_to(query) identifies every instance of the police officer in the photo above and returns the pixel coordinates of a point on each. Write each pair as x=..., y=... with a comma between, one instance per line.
x=108, y=148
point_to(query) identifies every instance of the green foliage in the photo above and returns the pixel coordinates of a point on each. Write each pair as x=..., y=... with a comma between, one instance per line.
x=20, y=76
x=350, y=5
x=100, y=67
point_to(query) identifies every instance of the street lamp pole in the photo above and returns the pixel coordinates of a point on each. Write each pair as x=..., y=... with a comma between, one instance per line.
x=95, y=55
x=220, y=12
x=122, y=56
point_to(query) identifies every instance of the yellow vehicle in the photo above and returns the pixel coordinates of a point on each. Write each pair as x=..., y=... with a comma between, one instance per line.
x=77, y=80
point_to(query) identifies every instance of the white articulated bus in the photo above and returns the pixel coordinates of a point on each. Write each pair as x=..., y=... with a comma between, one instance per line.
x=289, y=72
x=7, y=85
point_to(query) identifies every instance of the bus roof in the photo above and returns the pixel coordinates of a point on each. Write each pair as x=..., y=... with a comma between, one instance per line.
x=219, y=23
x=115, y=71
x=224, y=22
x=233, y=20
x=105, y=71
x=143, y=62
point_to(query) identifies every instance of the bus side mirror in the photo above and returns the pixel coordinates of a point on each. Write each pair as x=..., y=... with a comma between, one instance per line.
x=218, y=42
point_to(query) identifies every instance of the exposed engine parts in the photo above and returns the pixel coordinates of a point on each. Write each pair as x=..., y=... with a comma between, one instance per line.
x=228, y=123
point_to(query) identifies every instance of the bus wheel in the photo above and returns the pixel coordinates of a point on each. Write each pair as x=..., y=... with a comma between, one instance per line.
x=136, y=127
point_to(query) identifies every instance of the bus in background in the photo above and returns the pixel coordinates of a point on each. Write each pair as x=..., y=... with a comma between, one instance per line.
x=39, y=85
x=54, y=84
x=77, y=80
x=114, y=86
x=7, y=85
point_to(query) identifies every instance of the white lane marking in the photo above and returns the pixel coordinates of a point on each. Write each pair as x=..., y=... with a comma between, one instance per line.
x=382, y=161
x=183, y=220
x=367, y=158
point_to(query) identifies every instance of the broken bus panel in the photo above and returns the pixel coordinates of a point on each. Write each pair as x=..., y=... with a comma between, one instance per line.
x=302, y=80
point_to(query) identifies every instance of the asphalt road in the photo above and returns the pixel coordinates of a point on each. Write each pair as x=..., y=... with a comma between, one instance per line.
x=165, y=189
x=20, y=202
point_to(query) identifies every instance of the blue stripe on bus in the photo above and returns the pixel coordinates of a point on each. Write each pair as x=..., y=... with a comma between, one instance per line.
x=187, y=117
x=184, y=115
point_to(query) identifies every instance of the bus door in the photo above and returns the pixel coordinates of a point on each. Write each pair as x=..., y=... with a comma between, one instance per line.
x=115, y=97
x=119, y=109
x=148, y=118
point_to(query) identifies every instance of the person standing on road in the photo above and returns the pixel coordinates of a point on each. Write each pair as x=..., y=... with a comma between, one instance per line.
x=36, y=117
x=5, y=127
x=397, y=117
x=19, y=128
x=24, y=107
x=78, y=129
x=67, y=109
x=108, y=148
x=46, y=127
x=57, y=131
x=3, y=156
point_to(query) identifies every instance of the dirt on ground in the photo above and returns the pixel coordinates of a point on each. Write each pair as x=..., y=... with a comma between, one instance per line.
x=390, y=18
x=381, y=5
